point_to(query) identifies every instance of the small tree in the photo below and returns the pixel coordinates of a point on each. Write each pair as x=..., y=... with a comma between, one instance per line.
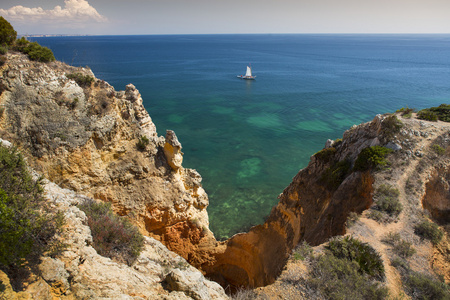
x=7, y=33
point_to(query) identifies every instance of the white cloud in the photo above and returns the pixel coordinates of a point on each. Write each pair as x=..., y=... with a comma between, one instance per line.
x=74, y=11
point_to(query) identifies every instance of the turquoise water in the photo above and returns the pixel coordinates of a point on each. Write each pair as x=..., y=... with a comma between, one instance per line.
x=249, y=138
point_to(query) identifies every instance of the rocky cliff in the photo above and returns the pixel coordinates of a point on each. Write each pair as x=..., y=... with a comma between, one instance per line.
x=83, y=135
x=321, y=197
x=81, y=273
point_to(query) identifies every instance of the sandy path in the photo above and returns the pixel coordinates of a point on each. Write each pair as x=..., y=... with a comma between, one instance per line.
x=373, y=232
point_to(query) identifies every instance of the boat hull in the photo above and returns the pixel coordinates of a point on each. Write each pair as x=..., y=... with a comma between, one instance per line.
x=246, y=77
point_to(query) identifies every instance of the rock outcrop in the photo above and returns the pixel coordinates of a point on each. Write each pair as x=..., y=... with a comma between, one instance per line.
x=308, y=209
x=80, y=273
x=102, y=143
x=318, y=202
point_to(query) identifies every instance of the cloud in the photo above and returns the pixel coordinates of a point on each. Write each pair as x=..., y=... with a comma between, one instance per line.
x=74, y=11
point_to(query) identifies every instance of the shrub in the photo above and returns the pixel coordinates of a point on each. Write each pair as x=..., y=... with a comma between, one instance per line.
x=113, y=236
x=442, y=112
x=406, y=112
x=2, y=62
x=335, y=175
x=7, y=33
x=388, y=200
x=401, y=247
x=3, y=50
x=364, y=255
x=420, y=286
x=20, y=44
x=376, y=215
x=35, y=51
x=338, y=278
x=28, y=228
x=371, y=157
x=427, y=115
x=80, y=79
x=438, y=149
x=326, y=155
x=245, y=294
x=400, y=264
x=302, y=251
x=352, y=218
x=143, y=143
x=390, y=126
x=429, y=230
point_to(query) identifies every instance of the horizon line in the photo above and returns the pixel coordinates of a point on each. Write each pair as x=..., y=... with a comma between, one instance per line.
x=278, y=33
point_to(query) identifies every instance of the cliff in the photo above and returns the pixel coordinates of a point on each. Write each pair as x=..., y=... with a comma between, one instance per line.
x=87, y=137
x=323, y=196
x=89, y=140
x=81, y=134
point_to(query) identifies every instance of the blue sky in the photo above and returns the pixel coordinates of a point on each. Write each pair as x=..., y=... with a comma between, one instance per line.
x=226, y=16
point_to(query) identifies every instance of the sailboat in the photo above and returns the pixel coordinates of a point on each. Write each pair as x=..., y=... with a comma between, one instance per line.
x=248, y=74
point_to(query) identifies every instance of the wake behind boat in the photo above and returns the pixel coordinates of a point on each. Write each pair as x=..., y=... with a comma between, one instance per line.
x=248, y=74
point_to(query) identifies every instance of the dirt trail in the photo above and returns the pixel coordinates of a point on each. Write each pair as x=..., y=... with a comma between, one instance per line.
x=373, y=232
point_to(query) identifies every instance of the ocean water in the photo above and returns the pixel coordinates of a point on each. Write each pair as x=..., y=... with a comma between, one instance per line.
x=249, y=138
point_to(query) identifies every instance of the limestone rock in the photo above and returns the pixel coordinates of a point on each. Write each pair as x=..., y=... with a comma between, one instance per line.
x=193, y=285
x=85, y=138
x=172, y=150
x=393, y=146
x=81, y=273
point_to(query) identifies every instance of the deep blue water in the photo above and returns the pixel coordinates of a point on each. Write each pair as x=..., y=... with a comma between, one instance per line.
x=249, y=138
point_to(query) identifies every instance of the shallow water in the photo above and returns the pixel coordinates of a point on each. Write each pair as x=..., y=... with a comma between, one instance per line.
x=249, y=138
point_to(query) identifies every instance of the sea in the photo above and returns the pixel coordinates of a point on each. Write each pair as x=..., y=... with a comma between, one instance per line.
x=248, y=139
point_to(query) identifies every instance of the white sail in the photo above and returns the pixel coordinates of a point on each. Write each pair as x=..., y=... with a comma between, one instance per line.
x=249, y=72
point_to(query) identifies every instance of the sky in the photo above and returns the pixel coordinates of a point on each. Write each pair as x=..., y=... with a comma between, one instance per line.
x=112, y=17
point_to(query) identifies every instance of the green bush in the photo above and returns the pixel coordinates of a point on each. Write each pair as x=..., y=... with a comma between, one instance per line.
x=429, y=230
x=438, y=149
x=388, y=201
x=352, y=218
x=2, y=62
x=3, y=50
x=442, y=112
x=420, y=286
x=34, y=50
x=363, y=254
x=401, y=247
x=390, y=126
x=302, y=251
x=27, y=227
x=20, y=44
x=143, y=143
x=7, y=33
x=335, y=175
x=113, y=236
x=406, y=112
x=371, y=157
x=326, y=155
x=427, y=115
x=80, y=79
x=339, y=278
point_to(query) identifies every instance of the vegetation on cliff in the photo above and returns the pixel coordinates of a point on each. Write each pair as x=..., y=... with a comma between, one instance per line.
x=442, y=113
x=34, y=50
x=28, y=228
x=8, y=40
x=372, y=157
x=113, y=236
x=347, y=269
x=7, y=33
x=82, y=80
